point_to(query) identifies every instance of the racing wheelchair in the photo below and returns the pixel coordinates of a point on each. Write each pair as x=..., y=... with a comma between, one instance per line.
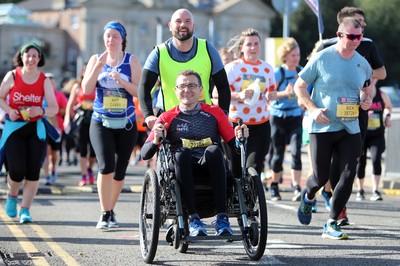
x=161, y=202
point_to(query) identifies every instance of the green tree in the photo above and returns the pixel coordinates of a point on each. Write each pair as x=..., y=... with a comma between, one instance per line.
x=382, y=27
x=10, y=1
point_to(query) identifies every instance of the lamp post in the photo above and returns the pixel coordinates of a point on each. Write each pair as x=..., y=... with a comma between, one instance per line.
x=159, y=31
x=286, y=7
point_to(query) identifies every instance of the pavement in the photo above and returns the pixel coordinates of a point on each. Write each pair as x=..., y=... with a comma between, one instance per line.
x=69, y=177
x=389, y=185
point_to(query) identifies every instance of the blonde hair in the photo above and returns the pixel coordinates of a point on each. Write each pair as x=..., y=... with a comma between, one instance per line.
x=286, y=47
x=224, y=50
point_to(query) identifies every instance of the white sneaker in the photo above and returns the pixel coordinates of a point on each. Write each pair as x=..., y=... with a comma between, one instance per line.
x=376, y=196
x=103, y=221
x=112, y=222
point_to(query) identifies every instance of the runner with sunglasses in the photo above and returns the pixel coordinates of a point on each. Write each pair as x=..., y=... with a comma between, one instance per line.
x=340, y=77
x=370, y=52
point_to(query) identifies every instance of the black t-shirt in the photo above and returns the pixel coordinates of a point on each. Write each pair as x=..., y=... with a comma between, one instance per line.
x=366, y=48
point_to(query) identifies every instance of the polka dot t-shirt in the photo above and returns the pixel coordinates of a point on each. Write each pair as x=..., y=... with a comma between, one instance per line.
x=240, y=75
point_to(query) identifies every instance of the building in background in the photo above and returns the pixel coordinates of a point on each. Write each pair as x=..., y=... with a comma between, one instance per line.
x=70, y=30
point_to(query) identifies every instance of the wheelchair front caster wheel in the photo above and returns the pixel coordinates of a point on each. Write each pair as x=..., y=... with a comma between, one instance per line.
x=253, y=233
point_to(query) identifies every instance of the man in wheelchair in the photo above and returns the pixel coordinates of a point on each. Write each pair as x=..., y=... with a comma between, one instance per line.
x=194, y=130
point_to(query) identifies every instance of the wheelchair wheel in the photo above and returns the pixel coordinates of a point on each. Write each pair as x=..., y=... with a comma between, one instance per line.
x=255, y=239
x=149, y=224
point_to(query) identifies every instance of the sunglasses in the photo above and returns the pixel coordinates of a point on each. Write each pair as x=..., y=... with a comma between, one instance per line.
x=351, y=37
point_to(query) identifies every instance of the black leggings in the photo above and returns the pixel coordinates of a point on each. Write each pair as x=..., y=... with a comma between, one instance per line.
x=323, y=145
x=84, y=141
x=211, y=165
x=335, y=168
x=256, y=149
x=282, y=129
x=25, y=153
x=376, y=146
x=113, y=148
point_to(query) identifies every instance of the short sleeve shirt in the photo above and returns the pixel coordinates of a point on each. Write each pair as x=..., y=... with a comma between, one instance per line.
x=336, y=81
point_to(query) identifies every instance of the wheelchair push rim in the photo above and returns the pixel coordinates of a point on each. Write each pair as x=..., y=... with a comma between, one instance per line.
x=149, y=224
x=255, y=237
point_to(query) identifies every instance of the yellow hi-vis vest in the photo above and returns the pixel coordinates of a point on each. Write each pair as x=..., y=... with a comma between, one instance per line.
x=169, y=70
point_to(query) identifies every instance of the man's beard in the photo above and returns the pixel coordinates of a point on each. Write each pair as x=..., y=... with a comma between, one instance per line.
x=186, y=37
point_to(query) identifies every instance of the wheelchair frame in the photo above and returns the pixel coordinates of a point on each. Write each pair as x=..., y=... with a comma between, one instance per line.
x=161, y=200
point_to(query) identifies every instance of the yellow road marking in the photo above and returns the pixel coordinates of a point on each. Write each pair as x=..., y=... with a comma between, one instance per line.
x=392, y=192
x=136, y=189
x=28, y=246
x=54, y=246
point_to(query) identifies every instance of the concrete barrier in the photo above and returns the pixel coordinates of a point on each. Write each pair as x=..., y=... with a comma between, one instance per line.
x=392, y=153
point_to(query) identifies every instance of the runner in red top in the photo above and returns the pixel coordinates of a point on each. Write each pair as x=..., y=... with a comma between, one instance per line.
x=24, y=136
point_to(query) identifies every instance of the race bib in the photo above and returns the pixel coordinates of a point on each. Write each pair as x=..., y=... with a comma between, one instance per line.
x=374, y=122
x=347, y=108
x=190, y=144
x=114, y=101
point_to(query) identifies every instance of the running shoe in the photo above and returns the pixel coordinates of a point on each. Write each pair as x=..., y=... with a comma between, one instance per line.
x=275, y=196
x=297, y=193
x=332, y=231
x=343, y=220
x=327, y=198
x=304, y=213
x=53, y=177
x=314, y=208
x=112, y=223
x=222, y=226
x=91, y=180
x=91, y=176
x=103, y=221
x=83, y=182
x=11, y=206
x=47, y=181
x=376, y=196
x=196, y=228
x=360, y=195
x=24, y=216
